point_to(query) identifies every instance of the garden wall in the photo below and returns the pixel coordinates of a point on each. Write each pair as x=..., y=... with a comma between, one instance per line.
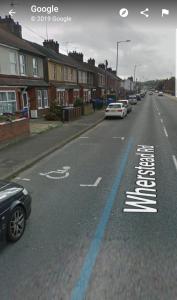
x=14, y=129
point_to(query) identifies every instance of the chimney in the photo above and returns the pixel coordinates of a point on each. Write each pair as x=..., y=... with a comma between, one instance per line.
x=114, y=72
x=9, y=24
x=91, y=61
x=102, y=66
x=77, y=56
x=51, y=44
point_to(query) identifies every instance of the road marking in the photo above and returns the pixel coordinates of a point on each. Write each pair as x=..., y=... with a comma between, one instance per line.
x=83, y=137
x=159, y=113
x=118, y=137
x=141, y=199
x=161, y=120
x=24, y=179
x=175, y=161
x=93, y=185
x=80, y=288
x=165, y=131
x=61, y=173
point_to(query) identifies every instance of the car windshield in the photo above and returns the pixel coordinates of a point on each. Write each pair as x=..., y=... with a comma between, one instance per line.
x=115, y=106
x=123, y=102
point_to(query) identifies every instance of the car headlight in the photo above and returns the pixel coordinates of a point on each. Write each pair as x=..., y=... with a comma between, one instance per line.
x=25, y=192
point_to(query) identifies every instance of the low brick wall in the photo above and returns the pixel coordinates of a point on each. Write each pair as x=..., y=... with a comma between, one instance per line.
x=15, y=129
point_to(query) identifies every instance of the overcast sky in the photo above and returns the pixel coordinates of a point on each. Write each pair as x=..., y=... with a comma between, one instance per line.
x=95, y=29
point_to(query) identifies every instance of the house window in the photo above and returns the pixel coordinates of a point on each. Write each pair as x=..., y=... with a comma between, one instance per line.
x=22, y=65
x=54, y=72
x=39, y=98
x=65, y=73
x=86, y=95
x=35, y=67
x=7, y=102
x=13, y=63
x=46, y=104
x=80, y=76
x=42, y=98
x=76, y=94
x=84, y=77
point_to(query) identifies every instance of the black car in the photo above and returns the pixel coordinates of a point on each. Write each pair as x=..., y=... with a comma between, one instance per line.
x=15, y=208
x=138, y=97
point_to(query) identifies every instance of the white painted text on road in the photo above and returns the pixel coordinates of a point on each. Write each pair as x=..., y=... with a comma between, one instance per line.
x=142, y=199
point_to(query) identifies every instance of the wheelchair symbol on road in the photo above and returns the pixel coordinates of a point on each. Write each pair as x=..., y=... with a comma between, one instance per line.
x=58, y=174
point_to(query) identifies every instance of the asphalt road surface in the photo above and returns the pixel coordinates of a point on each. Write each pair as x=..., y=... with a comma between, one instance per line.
x=104, y=214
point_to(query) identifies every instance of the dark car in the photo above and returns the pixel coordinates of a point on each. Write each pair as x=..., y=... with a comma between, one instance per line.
x=132, y=99
x=15, y=208
x=138, y=97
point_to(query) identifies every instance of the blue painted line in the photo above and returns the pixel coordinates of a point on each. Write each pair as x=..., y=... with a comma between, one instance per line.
x=80, y=288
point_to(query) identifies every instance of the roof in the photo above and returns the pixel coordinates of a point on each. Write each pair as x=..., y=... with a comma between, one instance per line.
x=59, y=57
x=10, y=39
x=66, y=59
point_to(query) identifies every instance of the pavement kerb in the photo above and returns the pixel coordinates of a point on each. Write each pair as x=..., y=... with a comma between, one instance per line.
x=171, y=97
x=58, y=146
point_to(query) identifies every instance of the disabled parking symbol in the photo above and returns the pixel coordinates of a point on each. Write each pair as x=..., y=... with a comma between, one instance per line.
x=57, y=174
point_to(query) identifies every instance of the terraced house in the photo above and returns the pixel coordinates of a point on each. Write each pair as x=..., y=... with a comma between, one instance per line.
x=60, y=73
x=22, y=81
x=33, y=75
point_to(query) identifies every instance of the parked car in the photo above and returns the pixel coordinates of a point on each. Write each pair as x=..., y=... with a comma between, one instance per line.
x=138, y=97
x=150, y=93
x=160, y=94
x=132, y=99
x=126, y=104
x=142, y=94
x=15, y=208
x=116, y=110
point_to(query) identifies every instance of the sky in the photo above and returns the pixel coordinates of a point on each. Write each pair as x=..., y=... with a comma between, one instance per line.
x=94, y=27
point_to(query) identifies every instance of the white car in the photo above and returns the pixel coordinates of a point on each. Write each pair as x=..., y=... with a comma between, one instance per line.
x=116, y=110
x=160, y=94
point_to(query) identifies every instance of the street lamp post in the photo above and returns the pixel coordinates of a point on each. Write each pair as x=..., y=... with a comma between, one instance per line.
x=134, y=76
x=118, y=52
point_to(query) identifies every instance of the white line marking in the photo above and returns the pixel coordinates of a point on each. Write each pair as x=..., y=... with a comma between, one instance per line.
x=165, y=131
x=83, y=137
x=93, y=185
x=118, y=137
x=24, y=179
x=159, y=113
x=161, y=120
x=175, y=161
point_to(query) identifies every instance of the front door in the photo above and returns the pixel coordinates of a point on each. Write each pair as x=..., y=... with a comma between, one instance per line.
x=25, y=103
x=25, y=100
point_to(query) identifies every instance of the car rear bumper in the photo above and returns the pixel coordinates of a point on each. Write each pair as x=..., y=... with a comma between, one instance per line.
x=113, y=114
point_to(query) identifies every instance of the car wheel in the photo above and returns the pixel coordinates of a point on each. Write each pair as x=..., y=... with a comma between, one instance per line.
x=16, y=224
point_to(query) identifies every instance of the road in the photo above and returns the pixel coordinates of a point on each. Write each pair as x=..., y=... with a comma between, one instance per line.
x=83, y=240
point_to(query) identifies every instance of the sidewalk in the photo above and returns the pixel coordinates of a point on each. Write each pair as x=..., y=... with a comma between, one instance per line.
x=170, y=96
x=23, y=154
